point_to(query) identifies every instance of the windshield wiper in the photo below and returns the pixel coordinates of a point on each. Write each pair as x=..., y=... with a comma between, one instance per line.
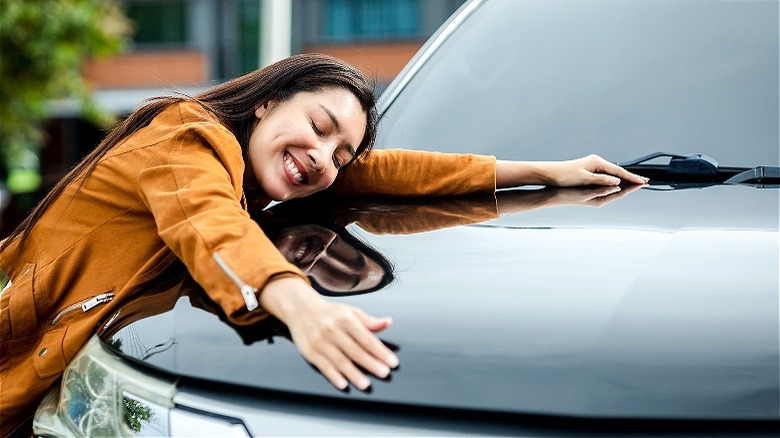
x=760, y=176
x=699, y=170
x=688, y=164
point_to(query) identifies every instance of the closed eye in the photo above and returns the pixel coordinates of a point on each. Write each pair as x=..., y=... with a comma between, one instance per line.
x=316, y=129
x=343, y=157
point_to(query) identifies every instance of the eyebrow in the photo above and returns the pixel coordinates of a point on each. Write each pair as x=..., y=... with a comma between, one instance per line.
x=331, y=115
x=335, y=121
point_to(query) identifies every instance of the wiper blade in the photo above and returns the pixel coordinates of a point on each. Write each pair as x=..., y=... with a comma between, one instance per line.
x=688, y=164
x=764, y=176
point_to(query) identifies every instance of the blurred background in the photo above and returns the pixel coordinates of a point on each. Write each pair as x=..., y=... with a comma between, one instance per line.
x=70, y=68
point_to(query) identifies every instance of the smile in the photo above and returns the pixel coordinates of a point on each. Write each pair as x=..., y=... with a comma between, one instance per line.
x=297, y=175
x=301, y=252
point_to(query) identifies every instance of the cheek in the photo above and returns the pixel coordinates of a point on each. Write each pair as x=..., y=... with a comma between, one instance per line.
x=255, y=152
x=328, y=178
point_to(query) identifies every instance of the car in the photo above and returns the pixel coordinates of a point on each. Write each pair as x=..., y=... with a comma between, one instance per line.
x=525, y=313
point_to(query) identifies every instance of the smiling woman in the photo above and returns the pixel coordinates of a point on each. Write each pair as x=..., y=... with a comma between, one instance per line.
x=176, y=180
x=298, y=146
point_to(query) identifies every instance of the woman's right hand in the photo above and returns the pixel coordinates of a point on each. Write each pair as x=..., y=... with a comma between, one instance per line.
x=335, y=338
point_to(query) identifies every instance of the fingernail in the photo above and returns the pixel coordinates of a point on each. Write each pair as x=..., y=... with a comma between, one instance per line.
x=392, y=361
x=382, y=371
x=363, y=383
x=342, y=384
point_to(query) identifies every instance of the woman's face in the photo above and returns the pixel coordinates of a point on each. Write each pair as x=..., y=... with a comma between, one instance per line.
x=298, y=145
x=332, y=262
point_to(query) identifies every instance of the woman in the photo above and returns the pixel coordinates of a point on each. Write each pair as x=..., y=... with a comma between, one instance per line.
x=175, y=180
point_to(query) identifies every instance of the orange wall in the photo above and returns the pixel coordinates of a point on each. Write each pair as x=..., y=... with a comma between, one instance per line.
x=149, y=69
x=381, y=61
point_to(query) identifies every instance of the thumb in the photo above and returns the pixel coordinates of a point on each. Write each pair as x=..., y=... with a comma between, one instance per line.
x=376, y=324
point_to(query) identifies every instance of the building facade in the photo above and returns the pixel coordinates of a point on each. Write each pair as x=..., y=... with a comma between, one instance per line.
x=189, y=45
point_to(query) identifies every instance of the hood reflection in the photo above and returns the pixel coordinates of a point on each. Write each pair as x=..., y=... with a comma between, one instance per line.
x=336, y=262
x=313, y=235
x=340, y=264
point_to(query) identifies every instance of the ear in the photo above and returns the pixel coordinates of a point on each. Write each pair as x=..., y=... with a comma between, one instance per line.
x=261, y=110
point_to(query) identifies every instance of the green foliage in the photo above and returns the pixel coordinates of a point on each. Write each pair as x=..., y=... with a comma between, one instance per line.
x=43, y=47
x=136, y=414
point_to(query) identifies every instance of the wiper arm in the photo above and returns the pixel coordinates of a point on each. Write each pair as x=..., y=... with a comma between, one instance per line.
x=689, y=164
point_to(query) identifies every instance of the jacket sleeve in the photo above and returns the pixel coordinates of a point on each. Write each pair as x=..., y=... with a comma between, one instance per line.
x=400, y=172
x=429, y=215
x=193, y=188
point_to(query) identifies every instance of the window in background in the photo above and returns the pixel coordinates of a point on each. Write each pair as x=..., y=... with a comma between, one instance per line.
x=349, y=20
x=249, y=35
x=159, y=23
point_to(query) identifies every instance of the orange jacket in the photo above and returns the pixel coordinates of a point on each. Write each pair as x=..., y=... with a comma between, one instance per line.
x=174, y=189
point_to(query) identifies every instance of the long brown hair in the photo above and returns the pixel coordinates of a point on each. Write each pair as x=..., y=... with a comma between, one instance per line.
x=234, y=103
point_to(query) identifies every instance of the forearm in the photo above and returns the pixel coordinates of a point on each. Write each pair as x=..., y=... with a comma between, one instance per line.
x=409, y=173
x=519, y=173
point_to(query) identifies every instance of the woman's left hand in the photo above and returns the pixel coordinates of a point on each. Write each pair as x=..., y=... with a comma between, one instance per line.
x=586, y=171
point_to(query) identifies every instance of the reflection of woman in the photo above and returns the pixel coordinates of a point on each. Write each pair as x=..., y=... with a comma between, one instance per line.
x=337, y=263
x=175, y=179
x=340, y=264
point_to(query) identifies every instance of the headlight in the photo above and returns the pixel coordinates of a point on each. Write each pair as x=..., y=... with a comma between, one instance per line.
x=101, y=395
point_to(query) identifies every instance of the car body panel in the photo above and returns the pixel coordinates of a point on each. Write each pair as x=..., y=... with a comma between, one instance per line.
x=605, y=312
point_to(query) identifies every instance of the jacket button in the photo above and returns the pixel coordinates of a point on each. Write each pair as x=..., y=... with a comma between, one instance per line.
x=42, y=352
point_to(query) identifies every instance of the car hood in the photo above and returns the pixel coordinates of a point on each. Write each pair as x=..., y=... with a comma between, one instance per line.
x=661, y=304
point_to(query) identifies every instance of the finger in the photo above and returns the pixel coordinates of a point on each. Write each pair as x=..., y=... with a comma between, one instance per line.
x=338, y=368
x=615, y=170
x=375, y=324
x=334, y=377
x=363, y=358
x=603, y=179
x=370, y=342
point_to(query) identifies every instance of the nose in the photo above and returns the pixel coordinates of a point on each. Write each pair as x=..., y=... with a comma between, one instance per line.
x=319, y=158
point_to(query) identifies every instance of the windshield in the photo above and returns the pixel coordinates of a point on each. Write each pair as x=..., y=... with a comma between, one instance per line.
x=557, y=79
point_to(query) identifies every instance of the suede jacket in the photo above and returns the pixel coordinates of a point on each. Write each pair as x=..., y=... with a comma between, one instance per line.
x=174, y=189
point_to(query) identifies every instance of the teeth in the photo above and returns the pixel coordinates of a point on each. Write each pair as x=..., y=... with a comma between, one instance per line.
x=301, y=252
x=293, y=169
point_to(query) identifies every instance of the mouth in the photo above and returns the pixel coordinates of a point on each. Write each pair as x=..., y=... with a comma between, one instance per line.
x=301, y=251
x=307, y=250
x=294, y=170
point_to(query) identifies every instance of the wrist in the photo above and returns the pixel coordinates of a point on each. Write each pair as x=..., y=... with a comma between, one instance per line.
x=285, y=297
x=518, y=173
x=545, y=172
